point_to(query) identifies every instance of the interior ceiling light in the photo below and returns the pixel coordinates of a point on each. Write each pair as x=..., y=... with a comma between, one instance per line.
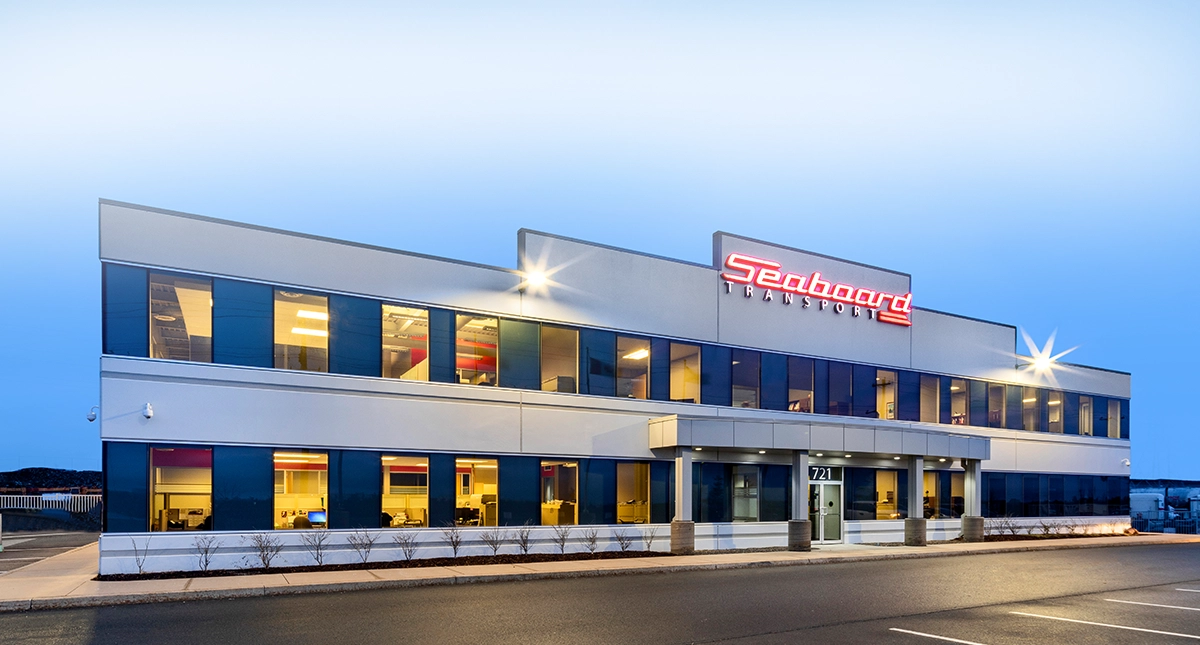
x=309, y=332
x=699, y=448
x=1054, y=403
x=1033, y=400
x=312, y=315
x=637, y=355
x=299, y=455
x=954, y=388
x=289, y=294
x=164, y=318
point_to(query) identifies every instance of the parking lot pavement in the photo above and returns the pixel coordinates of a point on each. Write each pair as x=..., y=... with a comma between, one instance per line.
x=1162, y=614
x=21, y=549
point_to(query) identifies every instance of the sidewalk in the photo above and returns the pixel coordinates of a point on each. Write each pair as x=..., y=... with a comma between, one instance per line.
x=66, y=580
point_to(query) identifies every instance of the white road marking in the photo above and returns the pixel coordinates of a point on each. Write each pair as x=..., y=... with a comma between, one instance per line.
x=1150, y=604
x=1088, y=622
x=1191, y=590
x=933, y=636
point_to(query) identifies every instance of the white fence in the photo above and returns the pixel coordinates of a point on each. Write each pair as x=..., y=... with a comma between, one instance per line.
x=61, y=502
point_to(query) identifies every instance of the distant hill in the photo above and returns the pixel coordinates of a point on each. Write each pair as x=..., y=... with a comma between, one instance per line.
x=34, y=480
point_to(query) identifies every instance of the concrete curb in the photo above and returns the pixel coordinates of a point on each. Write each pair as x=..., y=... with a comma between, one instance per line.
x=70, y=602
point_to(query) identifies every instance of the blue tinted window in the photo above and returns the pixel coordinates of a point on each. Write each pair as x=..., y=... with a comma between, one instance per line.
x=979, y=403
x=660, y=369
x=441, y=346
x=126, y=487
x=598, y=362
x=180, y=317
x=800, y=383
x=520, y=497
x=716, y=378
x=1070, y=413
x=864, y=399
x=774, y=493
x=126, y=328
x=1014, y=417
x=774, y=381
x=443, y=489
x=355, y=488
x=520, y=363
x=662, y=503
x=746, y=377
x=243, y=323
x=1124, y=418
x=243, y=488
x=840, y=388
x=355, y=336
x=945, y=405
x=908, y=393
x=597, y=491
x=821, y=386
x=712, y=492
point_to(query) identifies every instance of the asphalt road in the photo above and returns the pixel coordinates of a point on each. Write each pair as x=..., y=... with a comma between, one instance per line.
x=22, y=549
x=970, y=598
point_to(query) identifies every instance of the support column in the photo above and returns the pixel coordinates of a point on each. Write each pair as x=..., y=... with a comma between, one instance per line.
x=972, y=519
x=683, y=529
x=914, y=525
x=799, y=526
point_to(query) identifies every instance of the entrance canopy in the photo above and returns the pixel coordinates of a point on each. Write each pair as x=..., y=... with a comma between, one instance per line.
x=866, y=436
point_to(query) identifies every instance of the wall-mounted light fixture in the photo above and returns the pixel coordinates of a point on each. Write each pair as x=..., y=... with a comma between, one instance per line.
x=148, y=411
x=91, y=415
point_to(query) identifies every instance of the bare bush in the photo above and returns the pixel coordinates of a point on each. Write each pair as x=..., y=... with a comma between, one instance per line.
x=317, y=543
x=453, y=537
x=562, y=534
x=624, y=539
x=205, y=547
x=648, y=536
x=407, y=541
x=362, y=543
x=1047, y=527
x=494, y=539
x=266, y=547
x=589, y=540
x=139, y=555
x=521, y=537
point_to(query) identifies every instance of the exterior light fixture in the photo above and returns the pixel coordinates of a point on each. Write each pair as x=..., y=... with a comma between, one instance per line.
x=148, y=411
x=820, y=454
x=943, y=459
x=849, y=456
x=895, y=457
x=698, y=449
x=533, y=279
x=762, y=452
x=91, y=415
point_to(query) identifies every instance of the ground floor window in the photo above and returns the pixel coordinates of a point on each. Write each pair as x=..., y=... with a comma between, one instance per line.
x=560, y=492
x=301, y=490
x=477, y=499
x=633, y=493
x=181, y=489
x=1053, y=495
x=405, y=491
x=740, y=492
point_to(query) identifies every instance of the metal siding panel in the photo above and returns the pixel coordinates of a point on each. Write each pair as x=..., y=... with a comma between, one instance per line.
x=519, y=493
x=598, y=491
x=598, y=362
x=660, y=369
x=126, y=310
x=716, y=379
x=520, y=355
x=126, y=487
x=443, y=489
x=243, y=323
x=355, y=489
x=442, y=361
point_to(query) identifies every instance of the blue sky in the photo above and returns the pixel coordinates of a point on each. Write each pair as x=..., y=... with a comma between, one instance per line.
x=1030, y=164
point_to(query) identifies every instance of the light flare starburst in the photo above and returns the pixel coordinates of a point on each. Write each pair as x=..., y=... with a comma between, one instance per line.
x=1042, y=361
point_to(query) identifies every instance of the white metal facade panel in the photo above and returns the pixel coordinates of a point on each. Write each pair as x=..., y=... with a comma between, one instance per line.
x=948, y=344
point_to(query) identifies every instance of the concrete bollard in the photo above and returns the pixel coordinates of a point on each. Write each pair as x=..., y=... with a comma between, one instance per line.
x=914, y=531
x=972, y=528
x=799, y=535
x=683, y=537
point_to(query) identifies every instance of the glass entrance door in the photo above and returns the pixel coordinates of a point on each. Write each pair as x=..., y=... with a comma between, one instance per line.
x=825, y=512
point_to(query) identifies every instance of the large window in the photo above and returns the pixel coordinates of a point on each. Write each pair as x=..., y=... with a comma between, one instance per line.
x=180, y=318
x=560, y=492
x=745, y=493
x=1054, y=404
x=1085, y=415
x=885, y=394
x=746, y=373
x=800, y=384
x=930, y=399
x=405, y=491
x=405, y=343
x=633, y=492
x=887, y=495
x=1114, y=419
x=560, y=359
x=475, y=344
x=958, y=402
x=685, y=373
x=1029, y=410
x=995, y=405
x=181, y=489
x=301, y=331
x=633, y=367
x=301, y=490
x=477, y=499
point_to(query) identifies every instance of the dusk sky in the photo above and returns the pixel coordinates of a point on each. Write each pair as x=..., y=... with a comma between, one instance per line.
x=1030, y=164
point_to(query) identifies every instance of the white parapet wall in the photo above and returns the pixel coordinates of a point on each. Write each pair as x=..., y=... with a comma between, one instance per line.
x=1104, y=525
x=892, y=531
x=134, y=553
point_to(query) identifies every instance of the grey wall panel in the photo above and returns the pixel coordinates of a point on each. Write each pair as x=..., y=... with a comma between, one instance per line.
x=606, y=287
x=754, y=322
x=146, y=236
x=979, y=349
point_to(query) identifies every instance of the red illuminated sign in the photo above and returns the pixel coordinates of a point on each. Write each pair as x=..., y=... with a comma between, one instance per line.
x=751, y=271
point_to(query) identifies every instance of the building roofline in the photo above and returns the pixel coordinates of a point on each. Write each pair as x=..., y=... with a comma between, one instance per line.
x=308, y=236
x=820, y=255
x=978, y=320
x=609, y=247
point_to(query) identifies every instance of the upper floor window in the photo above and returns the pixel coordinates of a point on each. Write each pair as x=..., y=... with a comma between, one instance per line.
x=885, y=394
x=1054, y=406
x=958, y=402
x=1086, y=410
x=1114, y=419
x=931, y=392
x=476, y=348
x=800, y=384
x=746, y=372
x=405, y=343
x=301, y=331
x=1029, y=410
x=180, y=318
x=633, y=367
x=995, y=405
x=685, y=373
x=560, y=359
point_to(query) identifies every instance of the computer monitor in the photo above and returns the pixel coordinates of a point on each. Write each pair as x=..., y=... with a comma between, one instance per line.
x=317, y=517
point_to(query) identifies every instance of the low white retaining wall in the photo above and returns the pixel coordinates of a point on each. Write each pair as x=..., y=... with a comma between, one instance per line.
x=120, y=553
x=892, y=531
x=740, y=535
x=1055, y=525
